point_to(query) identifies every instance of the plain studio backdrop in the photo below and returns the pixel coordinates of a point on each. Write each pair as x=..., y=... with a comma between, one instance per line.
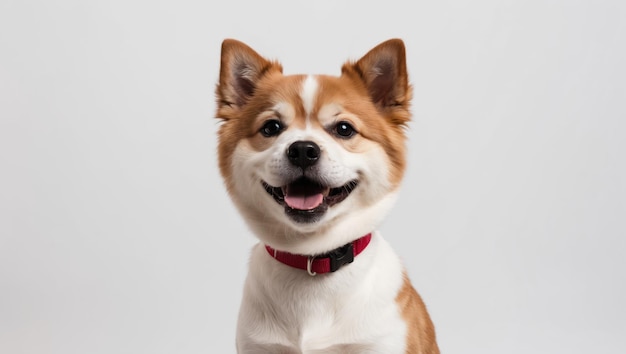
x=117, y=236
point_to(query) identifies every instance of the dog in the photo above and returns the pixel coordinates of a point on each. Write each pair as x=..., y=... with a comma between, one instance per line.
x=314, y=163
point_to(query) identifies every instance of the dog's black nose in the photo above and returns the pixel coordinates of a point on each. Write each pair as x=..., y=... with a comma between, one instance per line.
x=303, y=153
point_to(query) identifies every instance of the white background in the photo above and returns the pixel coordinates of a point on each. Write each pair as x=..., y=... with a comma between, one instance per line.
x=116, y=235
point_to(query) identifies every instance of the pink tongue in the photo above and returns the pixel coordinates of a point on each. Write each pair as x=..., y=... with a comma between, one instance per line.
x=304, y=202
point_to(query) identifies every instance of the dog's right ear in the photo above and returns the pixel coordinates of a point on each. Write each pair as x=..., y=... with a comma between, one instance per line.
x=240, y=70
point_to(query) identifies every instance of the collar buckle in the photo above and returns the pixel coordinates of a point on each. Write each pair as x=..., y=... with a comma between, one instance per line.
x=341, y=256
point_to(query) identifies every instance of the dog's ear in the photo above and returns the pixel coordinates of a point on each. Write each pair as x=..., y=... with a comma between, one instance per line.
x=383, y=70
x=240, y=70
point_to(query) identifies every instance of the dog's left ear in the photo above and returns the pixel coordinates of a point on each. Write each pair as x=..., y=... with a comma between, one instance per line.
x=383, y=70
x=240, y=70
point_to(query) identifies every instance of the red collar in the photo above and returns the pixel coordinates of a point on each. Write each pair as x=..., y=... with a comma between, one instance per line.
x=324, y=263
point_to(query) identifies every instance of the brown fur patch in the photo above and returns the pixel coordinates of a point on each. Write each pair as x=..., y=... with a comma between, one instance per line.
x=420, y=330
x=373, y=123
x=243, y=122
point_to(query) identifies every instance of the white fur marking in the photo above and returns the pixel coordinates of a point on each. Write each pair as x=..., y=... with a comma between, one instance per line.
x=308, y=95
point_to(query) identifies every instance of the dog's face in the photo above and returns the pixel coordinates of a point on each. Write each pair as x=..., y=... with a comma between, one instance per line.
x=312, y=161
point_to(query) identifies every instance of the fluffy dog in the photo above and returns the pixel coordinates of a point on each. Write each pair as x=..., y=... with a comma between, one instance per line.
x=313, y=164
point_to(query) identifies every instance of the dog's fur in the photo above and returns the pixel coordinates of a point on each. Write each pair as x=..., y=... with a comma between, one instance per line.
x=356, y=123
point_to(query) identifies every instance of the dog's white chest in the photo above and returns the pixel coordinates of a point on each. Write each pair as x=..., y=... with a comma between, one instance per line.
x=284, y=310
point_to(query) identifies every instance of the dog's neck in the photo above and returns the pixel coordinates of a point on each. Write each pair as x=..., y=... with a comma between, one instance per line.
x=324, y=263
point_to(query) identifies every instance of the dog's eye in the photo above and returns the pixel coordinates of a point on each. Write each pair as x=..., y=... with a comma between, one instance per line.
x=271, y=127
x=344, y=130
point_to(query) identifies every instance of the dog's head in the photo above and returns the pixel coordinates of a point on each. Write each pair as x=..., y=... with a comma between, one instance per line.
x=312, y=162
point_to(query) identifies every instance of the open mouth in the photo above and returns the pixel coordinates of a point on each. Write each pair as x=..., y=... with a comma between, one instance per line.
x=306, y=200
